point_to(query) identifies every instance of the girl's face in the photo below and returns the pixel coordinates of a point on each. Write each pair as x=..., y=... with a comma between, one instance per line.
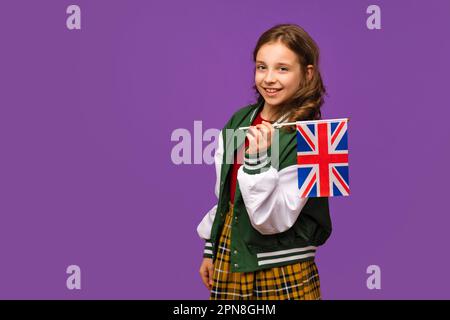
x=277, y=74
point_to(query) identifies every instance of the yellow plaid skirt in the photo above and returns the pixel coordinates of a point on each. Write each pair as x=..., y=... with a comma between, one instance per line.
x=298, y=281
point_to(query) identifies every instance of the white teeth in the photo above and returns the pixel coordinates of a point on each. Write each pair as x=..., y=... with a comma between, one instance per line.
x=272, y=90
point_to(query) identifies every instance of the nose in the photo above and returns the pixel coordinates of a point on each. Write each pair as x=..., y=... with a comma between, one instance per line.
x=270, y=77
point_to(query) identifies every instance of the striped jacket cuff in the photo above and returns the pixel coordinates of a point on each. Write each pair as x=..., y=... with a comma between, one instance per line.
x=208, y=250
x=256, y=163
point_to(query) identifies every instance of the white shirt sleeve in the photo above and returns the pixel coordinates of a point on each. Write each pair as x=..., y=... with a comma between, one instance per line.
x=271, y=197
x=204, y=228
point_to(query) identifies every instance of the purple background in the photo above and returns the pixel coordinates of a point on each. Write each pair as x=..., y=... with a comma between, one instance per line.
x=86, y=117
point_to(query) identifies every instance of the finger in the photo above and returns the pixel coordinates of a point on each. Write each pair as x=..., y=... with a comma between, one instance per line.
x=251, y=132
x=211, y=272
x=262, y=133
x=204, y=275
x=266, y=141
x=252, y=128
x=266, y=134
x=262, y=129
x=269, y=132
x=252, y=145
x=269, y=127
x=262, y=136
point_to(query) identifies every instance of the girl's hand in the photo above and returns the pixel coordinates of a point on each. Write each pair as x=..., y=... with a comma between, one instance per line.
x=259, y=137
x=206, y=272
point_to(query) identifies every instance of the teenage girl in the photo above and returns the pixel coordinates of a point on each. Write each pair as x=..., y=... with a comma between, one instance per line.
x=261, y=237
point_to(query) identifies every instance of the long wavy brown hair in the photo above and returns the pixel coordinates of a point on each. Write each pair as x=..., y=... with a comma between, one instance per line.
x=305, y=104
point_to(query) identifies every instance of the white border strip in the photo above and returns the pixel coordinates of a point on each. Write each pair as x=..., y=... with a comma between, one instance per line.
x=263, y=262
x=277, y=253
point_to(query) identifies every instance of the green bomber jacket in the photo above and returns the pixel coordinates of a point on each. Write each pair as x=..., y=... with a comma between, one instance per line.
x=272, y=226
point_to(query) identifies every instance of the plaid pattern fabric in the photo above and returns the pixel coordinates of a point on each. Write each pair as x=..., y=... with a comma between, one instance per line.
x=297, y=281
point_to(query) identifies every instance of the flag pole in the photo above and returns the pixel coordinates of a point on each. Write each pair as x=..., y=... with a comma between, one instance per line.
x=279, y=125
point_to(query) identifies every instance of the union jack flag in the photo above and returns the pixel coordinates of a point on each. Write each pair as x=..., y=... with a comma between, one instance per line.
x=322, y=158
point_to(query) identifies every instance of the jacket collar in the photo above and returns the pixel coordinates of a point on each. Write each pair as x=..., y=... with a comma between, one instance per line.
x=259, y=107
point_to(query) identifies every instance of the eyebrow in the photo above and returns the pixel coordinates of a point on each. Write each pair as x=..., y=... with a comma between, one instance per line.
x=279, y=63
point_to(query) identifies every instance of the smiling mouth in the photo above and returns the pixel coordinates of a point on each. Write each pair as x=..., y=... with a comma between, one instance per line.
x=271, y=92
